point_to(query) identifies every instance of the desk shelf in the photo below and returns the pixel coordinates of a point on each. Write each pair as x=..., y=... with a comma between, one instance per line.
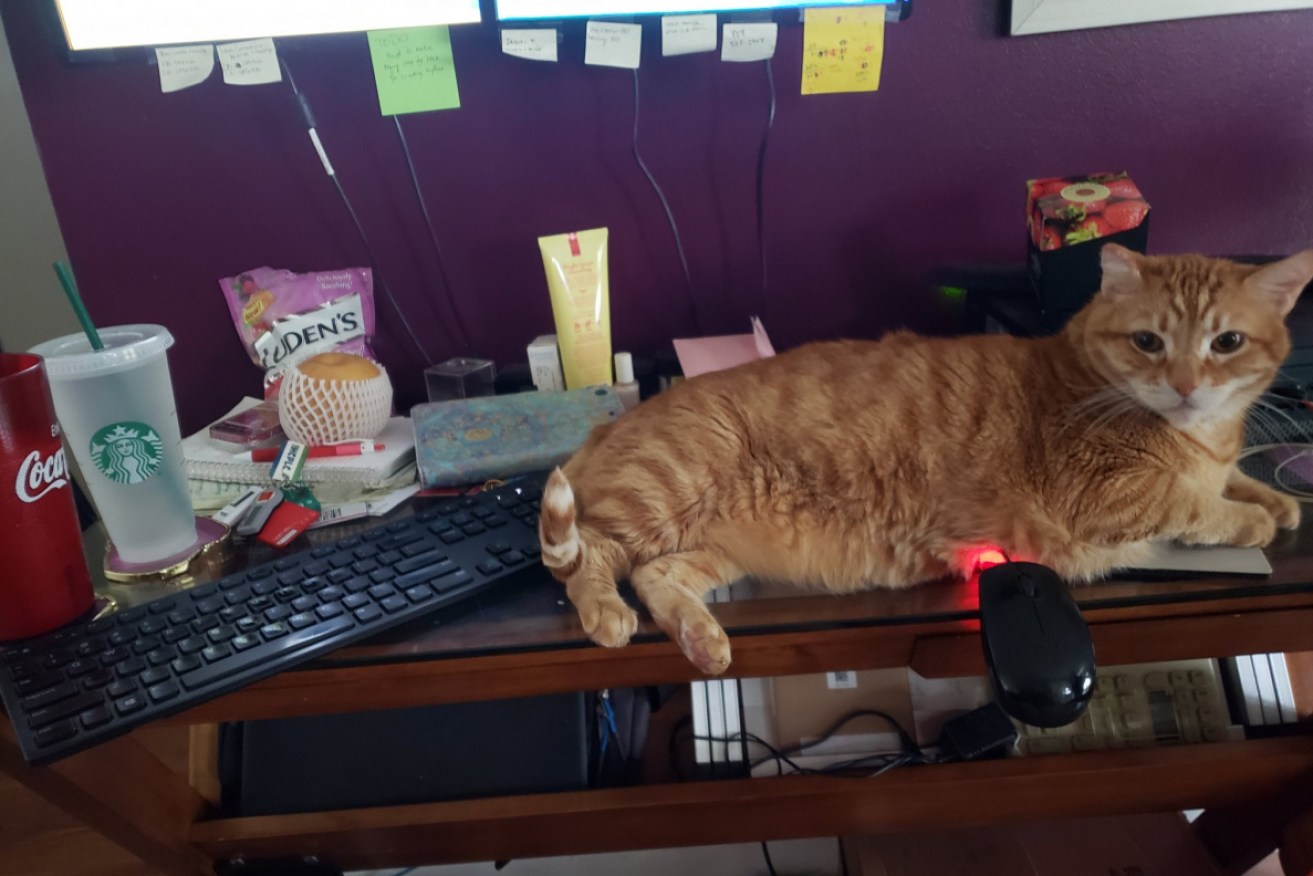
x=748, y=810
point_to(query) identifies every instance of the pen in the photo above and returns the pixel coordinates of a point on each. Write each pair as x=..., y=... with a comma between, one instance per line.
x=353, y=448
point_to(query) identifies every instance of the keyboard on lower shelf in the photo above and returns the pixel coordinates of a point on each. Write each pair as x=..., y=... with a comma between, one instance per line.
x=95, y=680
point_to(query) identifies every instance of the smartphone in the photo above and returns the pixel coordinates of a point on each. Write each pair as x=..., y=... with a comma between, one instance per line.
x=252, y=427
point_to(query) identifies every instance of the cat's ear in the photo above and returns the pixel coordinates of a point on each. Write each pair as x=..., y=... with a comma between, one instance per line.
x=1282, y=281
x=1121, y=270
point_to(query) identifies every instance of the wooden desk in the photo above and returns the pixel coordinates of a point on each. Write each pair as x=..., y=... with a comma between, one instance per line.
x=525, y=640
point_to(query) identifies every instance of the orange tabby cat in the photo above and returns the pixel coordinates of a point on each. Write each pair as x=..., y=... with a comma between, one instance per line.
x=853, y=464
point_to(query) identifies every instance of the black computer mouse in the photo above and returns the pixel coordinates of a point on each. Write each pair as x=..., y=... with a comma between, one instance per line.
x=1037, y=645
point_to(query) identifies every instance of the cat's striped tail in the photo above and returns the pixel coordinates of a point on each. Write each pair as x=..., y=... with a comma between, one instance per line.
x=563, y=549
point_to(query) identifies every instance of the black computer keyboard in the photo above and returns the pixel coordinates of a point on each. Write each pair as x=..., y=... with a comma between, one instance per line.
x=94, y=680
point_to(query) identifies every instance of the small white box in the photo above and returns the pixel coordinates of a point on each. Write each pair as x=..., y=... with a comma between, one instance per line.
x=545, y=364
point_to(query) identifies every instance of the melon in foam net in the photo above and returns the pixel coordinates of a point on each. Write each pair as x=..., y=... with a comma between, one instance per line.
x=332, y=397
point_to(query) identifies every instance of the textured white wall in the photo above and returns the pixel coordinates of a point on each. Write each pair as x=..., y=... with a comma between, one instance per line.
x=32, y=308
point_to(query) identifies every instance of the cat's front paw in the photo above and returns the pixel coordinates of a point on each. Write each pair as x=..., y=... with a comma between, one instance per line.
x=1255, y=527
x=607, y=620
x=1284, y=508
x=705, y=644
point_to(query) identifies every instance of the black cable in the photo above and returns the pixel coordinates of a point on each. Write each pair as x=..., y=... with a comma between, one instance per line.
x=770, y=865
x=309, y=119
x=433, y=236
x=670, y=217
x=761, y=188
x=905, y=740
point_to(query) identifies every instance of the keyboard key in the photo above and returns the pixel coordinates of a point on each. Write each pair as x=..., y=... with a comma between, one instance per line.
x=246, y=624
x=209, y=606
x=473, y=528
x=331, y=609
x=315, y=569
x=159, y=656
x=490, y=567
x=393, y=604
x=300, y=621
x=287, y=594
x=121, y=688
x=207, y=623
x=512, y=558
x=99, y=678
x=362, y=567
x=189, y=663
x=154, y=676
x=94, y=717
x=145, y=646
x=498, y=547
x=216, y=652
x=259, y=572
x=161, y=692
x=482, y=513
x=331, y=594
x=245, y=641
x=114, y=655
x=273, y=631
x=47, y=736
x=232, y=614
x=461, y=519
x=91, y=647
x=130, y=704
x=355, y=600
x=368, y=613
x=438, y=527
x=382, y=591
x=81, y=667
x=129, y=667
x=387, y=558
x=419, y=593
x=277, y=613
x=151, y=626
x=454, y=536
x=337, y=576
x=304, y=603
x=416, y=548
x=180, y=616
x=340, y=561
x=192, y=645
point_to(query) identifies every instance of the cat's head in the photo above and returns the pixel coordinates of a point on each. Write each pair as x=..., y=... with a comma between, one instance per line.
x=1194, y=339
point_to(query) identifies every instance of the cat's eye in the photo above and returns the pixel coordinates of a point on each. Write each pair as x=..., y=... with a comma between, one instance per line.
x=1228, y=342
x=1147, y=342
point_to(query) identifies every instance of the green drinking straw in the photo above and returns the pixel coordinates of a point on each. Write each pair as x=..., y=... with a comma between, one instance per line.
x=65, y=274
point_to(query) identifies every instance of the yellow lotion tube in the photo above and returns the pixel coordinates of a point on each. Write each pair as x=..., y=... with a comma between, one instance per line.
x=577, y=279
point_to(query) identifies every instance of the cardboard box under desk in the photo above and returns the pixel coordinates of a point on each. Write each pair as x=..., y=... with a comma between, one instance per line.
x=1134, y=845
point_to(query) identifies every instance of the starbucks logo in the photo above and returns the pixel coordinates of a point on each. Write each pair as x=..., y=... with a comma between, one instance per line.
x=127, y=453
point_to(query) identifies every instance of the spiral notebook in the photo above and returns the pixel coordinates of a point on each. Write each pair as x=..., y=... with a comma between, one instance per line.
x=209, y=460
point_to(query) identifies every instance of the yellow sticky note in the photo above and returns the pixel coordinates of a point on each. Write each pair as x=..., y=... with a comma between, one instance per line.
x=414, y=70
x=842, y=50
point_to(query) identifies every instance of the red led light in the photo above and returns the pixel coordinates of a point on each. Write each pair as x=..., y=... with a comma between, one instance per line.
x=984, y=557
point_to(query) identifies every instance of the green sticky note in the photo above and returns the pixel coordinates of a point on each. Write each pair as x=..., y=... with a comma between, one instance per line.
x=414, y=70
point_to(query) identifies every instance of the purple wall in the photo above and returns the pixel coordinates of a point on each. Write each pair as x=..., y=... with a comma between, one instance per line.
x=160, y=195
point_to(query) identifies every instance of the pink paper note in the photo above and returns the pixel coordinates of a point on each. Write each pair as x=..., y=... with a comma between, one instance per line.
x=701, y=355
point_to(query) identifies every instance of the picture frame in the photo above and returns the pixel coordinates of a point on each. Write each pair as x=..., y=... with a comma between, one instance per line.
x=1047, y=16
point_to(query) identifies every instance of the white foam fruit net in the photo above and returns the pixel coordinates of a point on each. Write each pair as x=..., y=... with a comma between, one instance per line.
x=315, y=411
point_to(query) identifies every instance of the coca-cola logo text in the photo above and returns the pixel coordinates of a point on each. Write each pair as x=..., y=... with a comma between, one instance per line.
x=37, y=477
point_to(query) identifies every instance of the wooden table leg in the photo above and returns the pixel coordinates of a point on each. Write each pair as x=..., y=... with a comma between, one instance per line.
x=1297, y=845
x=123, y=792
x=1240, y=836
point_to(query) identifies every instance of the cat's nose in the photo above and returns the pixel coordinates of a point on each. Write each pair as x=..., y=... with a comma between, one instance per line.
x=1185, y=386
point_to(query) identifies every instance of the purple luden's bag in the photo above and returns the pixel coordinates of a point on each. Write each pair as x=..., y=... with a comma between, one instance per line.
x=283, y=317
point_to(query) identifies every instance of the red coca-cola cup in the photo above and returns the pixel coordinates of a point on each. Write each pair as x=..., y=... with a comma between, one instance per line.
x=45, y=583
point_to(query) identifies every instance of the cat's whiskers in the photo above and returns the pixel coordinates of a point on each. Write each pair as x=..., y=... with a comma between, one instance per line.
x=1266, y=408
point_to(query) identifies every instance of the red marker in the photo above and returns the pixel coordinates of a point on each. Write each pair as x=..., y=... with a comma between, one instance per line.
x=353, y=448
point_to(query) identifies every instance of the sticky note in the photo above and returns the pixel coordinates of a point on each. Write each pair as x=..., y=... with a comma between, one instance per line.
x=754, y=41
x=184, y=66
x=609, y=44
x=250, y=62
x=686, y=34
x=536, y=44
x=842, y=50
x=414, y=69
